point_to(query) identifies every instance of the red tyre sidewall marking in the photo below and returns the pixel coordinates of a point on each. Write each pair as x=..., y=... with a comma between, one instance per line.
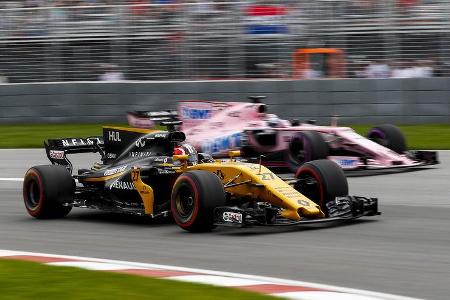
x=316, y=175
x=34, y=176
x=196, y=209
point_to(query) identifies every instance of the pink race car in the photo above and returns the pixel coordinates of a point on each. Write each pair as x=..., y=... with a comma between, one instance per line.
x=218, y=127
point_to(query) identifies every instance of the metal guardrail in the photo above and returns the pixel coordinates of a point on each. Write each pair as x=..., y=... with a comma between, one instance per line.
x=192, y=40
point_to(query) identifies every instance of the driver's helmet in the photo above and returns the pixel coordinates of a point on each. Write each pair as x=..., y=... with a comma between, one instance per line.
x=184, y=149
x=274, y=121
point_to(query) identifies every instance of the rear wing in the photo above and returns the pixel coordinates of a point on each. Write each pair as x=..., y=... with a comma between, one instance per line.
x=194, y=113
x=150, y=119
x=57, y=149
x=191, y=112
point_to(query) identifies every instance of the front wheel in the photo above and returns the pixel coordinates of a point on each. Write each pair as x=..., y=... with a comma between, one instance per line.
x=48, y=191
x=321, y=181
x=388, y=136
x=195, y=194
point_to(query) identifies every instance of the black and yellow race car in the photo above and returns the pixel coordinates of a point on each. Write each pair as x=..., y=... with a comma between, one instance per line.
x=154, y=173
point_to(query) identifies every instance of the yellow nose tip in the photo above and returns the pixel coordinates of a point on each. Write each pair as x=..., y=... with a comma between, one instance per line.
x=311, y=211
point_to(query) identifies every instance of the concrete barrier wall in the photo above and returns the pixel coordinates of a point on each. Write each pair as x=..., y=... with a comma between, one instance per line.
x=401, y=101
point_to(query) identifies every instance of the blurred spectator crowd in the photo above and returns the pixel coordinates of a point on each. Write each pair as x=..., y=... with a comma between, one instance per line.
x=395, y=69
x=212, y=39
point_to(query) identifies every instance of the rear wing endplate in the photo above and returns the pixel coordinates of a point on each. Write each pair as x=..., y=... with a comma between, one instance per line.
x=57, y=149
x=149, y=119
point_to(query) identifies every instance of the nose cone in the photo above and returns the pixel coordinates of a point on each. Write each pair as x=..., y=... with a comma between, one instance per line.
x=310, y=212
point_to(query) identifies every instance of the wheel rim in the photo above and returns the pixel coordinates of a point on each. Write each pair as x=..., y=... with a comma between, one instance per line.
x=299, y=150
x=185, y=203
x=378, y=137
x=33, y=195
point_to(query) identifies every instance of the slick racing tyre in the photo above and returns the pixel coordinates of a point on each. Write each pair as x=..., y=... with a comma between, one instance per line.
x=195, y=194
x=45, y=191
x=305, y=146
x=388, y=136
x=321, y=181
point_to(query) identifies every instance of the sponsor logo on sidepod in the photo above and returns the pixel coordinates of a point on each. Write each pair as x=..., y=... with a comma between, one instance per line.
x=222, y=143
x=195, y=113
x=115, y=170
x=122, y=185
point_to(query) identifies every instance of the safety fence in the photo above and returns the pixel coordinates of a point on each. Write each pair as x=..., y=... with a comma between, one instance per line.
x=50, y=40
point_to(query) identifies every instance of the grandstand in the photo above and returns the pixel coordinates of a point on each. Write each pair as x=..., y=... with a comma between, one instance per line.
x=52, y=41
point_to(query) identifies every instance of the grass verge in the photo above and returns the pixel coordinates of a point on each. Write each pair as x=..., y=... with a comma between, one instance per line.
x=33, y=136
x=27, y=280
x=420, y=137
x=431, y=136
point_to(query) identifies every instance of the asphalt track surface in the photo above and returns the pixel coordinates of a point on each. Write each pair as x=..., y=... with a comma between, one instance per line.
x=405, y=251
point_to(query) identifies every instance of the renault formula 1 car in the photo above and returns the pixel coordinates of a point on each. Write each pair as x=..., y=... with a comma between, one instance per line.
x=218, y=127
x=154, y=173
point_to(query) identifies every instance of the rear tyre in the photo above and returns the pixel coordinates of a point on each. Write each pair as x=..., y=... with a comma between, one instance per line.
x=388, y=136
x=195, y=194
x=305, y=146
x=45, y=191
x=321, y=181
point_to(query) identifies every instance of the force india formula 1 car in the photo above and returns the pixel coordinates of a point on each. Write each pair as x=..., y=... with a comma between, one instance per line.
x=154, y=173
x=218, y=127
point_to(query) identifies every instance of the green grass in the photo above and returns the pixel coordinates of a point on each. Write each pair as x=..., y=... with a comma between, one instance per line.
x=420, y=137
x=432, y=136
x=33, y=136
x=26, y=280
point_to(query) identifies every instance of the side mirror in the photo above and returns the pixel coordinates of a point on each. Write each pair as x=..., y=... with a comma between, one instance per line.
x=295, y=122
x=176, y=136
x=181, y=157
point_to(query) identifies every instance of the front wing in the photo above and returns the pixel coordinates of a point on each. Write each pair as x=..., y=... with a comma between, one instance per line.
x=416, y=159
x=344, y=208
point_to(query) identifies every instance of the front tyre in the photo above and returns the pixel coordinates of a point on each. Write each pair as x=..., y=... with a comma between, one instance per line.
x=321, y=181
x=48, y=191
x=195, y=194
x=388, y=136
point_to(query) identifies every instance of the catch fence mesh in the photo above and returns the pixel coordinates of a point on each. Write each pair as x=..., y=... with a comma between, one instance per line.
x=52, y=41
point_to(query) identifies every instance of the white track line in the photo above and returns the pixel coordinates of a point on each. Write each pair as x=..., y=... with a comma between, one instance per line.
x=17, y=179
x=323, y=292
x=91, y=265
x=11, y=179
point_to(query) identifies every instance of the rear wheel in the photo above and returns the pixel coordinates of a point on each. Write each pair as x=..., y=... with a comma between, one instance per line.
x=47, y=191
x=388, y=136
x=321, y=181
x=305, y=146
x=195, y=194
